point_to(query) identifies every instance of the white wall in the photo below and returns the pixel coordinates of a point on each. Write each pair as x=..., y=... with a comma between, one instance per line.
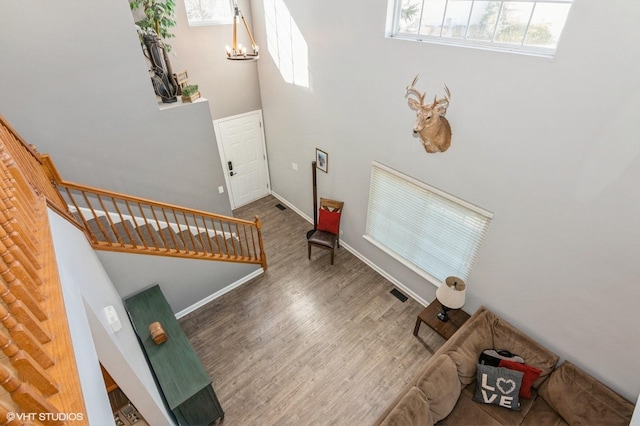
x=87, y=290
x=231, y=86
x=184, y=282
x=549, y=145
x=75, y=83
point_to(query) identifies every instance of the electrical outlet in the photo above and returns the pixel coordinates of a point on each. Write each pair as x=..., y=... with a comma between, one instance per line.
x=294, y=166
x=221, y=189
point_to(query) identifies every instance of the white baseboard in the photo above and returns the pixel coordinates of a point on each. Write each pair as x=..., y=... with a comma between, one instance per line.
x=219, y=293
x=359, y=255
x=384, y=273
x=292, y=207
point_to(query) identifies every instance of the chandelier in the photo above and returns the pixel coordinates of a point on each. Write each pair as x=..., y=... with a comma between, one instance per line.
x=238, y=52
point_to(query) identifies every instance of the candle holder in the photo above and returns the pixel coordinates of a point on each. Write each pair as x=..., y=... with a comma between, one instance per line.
x=158, y=335
x=238, y=52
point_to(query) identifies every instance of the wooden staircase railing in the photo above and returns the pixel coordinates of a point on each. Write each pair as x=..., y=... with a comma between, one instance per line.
x=38, y=370
x=37, y=366
x=119, y=222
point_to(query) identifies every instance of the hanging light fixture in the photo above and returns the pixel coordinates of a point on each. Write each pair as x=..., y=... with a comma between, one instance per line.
x=238, y=52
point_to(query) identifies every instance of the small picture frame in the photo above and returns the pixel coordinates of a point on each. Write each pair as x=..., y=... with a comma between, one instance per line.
x=322, y=160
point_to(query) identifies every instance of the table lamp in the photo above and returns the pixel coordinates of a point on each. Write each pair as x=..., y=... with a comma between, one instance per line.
x=451, y=296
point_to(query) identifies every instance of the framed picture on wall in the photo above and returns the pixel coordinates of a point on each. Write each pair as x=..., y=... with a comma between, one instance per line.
x=322, y=160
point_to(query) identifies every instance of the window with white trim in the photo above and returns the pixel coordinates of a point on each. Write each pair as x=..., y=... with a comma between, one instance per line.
x=522, y=26
x=432, y=232
x=209, y=12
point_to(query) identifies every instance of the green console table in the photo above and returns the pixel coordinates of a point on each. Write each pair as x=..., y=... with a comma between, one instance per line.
x=182, y=378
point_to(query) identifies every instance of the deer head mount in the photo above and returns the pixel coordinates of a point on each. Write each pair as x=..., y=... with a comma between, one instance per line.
x=431, y=125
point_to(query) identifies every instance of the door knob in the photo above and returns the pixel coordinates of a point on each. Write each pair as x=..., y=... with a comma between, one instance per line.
x=230, y=168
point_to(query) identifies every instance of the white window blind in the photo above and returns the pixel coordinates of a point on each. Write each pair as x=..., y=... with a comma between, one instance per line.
x=432, y=232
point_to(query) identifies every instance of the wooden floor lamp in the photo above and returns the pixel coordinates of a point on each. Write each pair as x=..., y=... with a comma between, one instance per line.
x=315, y=200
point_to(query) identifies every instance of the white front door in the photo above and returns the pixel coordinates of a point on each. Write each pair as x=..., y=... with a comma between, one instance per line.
x=244, y=158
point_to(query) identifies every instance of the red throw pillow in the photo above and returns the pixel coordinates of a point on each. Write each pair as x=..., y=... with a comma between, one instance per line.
x=530, y=375
x=329, y=221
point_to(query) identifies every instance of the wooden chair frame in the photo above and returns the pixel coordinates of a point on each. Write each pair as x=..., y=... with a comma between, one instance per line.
x=323, y=239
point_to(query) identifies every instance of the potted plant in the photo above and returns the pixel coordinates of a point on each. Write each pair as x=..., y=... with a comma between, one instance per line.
x=159, y=16
x=190, y=93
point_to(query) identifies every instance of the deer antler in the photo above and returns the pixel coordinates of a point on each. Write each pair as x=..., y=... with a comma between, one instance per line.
x=411, y=90
x=447, y=97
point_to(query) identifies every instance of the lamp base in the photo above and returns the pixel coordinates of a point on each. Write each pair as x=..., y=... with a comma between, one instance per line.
x=443, y=314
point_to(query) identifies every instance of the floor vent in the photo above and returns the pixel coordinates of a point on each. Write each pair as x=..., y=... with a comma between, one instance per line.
x=399, y=295
x=280, y=206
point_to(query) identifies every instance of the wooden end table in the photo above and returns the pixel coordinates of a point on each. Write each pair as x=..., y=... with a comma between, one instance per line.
x=429, y=316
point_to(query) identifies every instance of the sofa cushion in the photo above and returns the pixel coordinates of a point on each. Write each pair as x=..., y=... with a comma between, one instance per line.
x=531, y=374
x=579, y=398
x=413, y=409
x=542, y=414
x=440, y=384
x=487, y=330
x=469, y=412
x=498, y=386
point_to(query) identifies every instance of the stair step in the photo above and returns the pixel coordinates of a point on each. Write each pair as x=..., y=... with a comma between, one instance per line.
x=230, y=246
x=192, y=242
x=122, y=228
x=150, y=237
x=103, y=231
x=204, y=237
x=78, y=217
x=166, y=238
x=172, y=239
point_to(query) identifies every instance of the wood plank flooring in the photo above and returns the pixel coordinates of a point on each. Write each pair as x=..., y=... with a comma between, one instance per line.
x=307, y=343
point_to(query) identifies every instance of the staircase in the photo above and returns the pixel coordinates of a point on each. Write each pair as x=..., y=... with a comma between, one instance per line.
x=119, y=222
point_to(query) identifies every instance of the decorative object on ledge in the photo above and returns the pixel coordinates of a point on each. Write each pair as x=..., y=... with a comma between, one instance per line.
x=182, y=79
x=158, y=335
x=158, y=17
x=431, y=125
x=451, y=295
x=190, y=93
x=238, y=52
x=161, y=72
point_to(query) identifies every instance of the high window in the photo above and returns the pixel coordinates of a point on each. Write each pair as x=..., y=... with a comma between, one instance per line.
x=532, y=27
x=432, y=232
x=209, y=12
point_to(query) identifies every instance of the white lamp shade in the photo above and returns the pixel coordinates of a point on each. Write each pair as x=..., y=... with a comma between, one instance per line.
x=451, y=294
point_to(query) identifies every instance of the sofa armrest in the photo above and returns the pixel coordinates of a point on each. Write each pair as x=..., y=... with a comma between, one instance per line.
x=441, y=386
x=412, y=410
x=580, y=399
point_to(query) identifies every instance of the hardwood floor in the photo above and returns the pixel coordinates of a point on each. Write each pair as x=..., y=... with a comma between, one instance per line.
x=307, y=343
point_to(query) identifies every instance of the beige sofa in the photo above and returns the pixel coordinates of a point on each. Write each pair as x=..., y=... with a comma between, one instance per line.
x=442, y=392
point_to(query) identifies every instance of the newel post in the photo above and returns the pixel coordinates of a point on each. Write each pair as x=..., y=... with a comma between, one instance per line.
x=263, y=255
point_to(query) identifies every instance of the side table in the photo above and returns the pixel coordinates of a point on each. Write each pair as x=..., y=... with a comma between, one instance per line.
x=429, y=316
